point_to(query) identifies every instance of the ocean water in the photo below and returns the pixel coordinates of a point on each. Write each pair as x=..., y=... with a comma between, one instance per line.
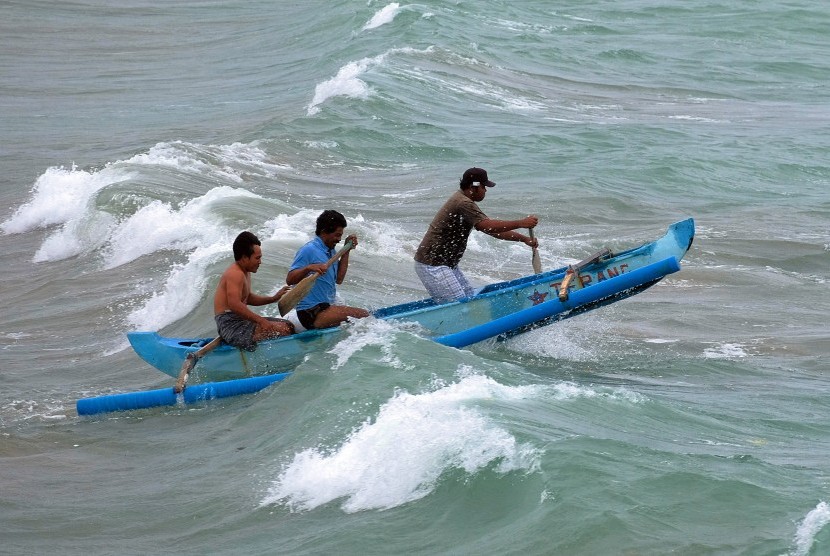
x=140, y=137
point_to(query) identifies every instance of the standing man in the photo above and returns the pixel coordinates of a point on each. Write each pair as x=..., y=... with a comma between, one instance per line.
x=443, y=245
x=318, y=309
x=236, y=323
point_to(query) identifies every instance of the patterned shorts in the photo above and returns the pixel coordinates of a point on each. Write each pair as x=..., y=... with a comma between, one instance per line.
x=444, y=283
x=235, y=330
x=239, y=332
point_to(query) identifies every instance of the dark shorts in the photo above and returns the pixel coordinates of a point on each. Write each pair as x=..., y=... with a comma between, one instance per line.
x=237, y=331
x=308, y=316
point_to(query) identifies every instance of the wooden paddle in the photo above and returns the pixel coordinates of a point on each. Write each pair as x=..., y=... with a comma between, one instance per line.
x=535, y=261
x=190, y=362
x=293, y=296
x=566, y=283
x=574, y=269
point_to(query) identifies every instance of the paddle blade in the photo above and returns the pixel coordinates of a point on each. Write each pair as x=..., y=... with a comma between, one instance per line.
x=181, y=381
x=293, y=296
x=190, y=362
x=535, y=260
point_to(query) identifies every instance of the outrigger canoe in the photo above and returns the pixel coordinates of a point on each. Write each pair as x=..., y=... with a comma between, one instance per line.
x=496, y=311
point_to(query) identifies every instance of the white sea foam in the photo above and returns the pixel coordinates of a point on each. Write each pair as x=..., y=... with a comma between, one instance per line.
x=295, y=229
x=505, y=99
x=192, y=230
x=60, y=196
x=321, y=144
x=250, y=157
x=554, y=342
x=159, y=226
x=383, y=16
x=583, y=338
x=227, y=162
x=693, y=118
x=372, y=332
x=38, y=410
x=170, y=155
x=347, y=82
x=814, y=522
x=83, y=234
x=182, y=292
x=522, y=27
x=66, y=198
x=572, y=390
x=725, y=351
x=399, y=456
x=393, y=241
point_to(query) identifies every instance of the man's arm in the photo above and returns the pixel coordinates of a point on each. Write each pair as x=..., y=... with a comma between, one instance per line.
x=298, y=274
x=343, y=267
x=503, y=229
x=257, y=300
x=492, y=227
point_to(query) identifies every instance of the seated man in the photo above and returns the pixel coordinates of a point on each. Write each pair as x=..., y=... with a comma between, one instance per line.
x=236, y=323
x=318, y=309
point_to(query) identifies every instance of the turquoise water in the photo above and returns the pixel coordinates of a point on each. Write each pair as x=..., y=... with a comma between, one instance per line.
x=140, y=138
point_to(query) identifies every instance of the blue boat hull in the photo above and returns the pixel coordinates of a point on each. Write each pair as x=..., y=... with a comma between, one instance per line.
x=498, y=310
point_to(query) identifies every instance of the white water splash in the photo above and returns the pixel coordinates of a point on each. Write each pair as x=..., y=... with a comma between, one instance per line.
x=66, y=199
x=183, y=290
x=159, y=226
x=60, y=196
x=383, y=16
x=192, y=230
x=347, y=82
x=373, y=332
x=725, y=351
x=399, y=457
x=805, y=536
x=572, y=391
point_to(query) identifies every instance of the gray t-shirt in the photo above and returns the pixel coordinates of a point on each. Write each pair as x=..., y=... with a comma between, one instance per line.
x=446, y=239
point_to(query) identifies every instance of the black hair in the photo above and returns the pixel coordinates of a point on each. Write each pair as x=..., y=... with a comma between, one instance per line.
x=329, y=221
x=243, y=245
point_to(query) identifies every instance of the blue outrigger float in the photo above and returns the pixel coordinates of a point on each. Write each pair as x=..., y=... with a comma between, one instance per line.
x=497, y=311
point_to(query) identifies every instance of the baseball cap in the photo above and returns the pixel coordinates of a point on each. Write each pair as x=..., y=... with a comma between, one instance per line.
x=476, y=177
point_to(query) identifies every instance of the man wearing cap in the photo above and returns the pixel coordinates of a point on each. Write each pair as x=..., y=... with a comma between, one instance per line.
x=443, y=245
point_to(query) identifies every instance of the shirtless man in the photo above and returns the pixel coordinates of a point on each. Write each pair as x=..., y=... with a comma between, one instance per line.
x=236, y=323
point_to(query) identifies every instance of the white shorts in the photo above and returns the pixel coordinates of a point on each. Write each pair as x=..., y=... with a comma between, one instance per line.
x=444, y=283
